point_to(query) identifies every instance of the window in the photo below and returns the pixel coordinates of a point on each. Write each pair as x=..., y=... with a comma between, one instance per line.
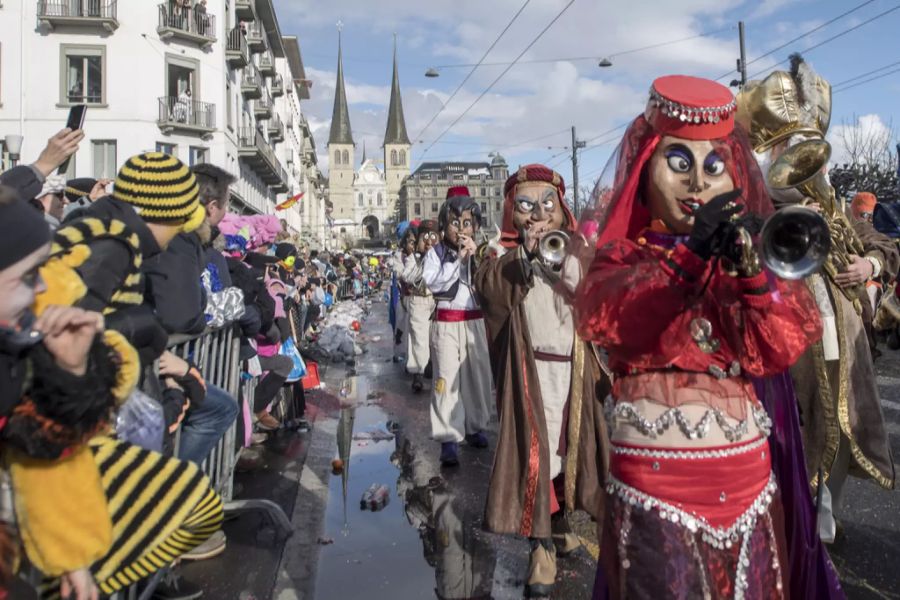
x=417, y=209
x=104, y=159
x=484, y=208
x=345, y=157
x=497, y=206
x=496, y=191
x=82, y=79
x=402, y=158
x=199, y=155
x=228, y=108
x=434, y=192
x=170, y=149
x=380, y=199
x=337, y=157
x=484, y=191
x=359, y=199
x=434, y=207
x=393, y=158
x=182, y=77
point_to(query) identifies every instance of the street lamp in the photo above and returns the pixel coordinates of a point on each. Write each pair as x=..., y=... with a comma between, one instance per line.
x=13, y=143
x=604, y=62
x=432, y=72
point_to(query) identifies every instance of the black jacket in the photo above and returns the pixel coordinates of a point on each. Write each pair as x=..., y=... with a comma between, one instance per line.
x=174, y=287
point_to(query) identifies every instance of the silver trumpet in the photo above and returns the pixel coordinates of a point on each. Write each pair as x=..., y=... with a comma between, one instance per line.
x=795, y=242
x=553, y=247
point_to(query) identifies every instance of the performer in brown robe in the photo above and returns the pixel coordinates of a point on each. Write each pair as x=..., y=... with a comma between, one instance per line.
x=843, y=424
x=551, y=449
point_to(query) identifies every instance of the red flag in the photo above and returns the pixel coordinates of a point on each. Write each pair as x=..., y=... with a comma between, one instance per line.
x=289, y=202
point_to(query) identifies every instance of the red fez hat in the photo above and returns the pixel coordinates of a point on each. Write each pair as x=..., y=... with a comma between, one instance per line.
x=691, y=108
x=458, y=190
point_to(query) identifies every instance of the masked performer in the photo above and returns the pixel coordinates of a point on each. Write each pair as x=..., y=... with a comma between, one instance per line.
x=459, y=354
x=421, y=304
x=843, y=425
x=548, y=381
x=676, y=296
x=406, y=235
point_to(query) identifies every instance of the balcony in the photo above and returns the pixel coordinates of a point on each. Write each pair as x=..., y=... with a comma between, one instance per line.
x=191, y=26
x=262, y=108
x=277, y=86
x=243, y=9
x=79, y=13
x=186, y=116
x=267, y=63
x=276, y=129
x=258, y=154
x=256, y=38
x=237, y=54
x=251, y=84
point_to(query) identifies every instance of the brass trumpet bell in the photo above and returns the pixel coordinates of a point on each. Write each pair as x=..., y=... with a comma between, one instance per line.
x=795, y=242
x=552, y=247
x=799, y=165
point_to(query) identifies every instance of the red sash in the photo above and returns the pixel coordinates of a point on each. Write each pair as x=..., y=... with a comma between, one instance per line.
x=446, y=315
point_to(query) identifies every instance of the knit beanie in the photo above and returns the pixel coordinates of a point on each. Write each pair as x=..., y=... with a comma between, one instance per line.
x=162, y=190
x=79, y=188
x=22, y=229
x=53, y=184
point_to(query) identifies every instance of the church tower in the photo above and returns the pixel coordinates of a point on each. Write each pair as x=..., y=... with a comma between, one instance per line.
x=341, y=159
x=397, y=157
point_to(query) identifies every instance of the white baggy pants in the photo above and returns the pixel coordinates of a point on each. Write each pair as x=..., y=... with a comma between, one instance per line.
x=460, y=403
x=419, y=345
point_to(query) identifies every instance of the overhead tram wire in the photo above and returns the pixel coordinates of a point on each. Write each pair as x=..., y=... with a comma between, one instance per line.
x=832, y=38
x=801, y=36
x=870, y=79
x=862, y=75
x=472, y=71
x=593, y=57
x=499, y=77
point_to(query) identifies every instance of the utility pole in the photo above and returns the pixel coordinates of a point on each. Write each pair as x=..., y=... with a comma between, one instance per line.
x=575, y=146
x=742, y=61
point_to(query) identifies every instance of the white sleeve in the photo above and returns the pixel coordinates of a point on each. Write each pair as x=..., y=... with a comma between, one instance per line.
x=412, y=271
x=438, y=276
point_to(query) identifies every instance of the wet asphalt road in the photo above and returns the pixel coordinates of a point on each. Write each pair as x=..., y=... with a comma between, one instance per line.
x=427, y=541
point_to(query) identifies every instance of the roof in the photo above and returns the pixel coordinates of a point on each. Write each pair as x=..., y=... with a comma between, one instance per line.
x=340, y=115
x=498, y=161
x=295, y=62
x=450, y=167
x=266, y=13
x=396, y=124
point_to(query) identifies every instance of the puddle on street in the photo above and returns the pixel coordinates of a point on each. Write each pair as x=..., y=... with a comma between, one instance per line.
x=424, y=543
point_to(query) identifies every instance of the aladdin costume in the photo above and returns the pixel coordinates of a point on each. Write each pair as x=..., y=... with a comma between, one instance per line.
x=551, y=451
x=420, y=308
x=397, y=314
x=843, y=425
x=688, y=516
x=459, y=353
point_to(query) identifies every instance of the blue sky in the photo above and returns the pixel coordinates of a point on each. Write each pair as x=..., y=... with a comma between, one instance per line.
x=542, y=100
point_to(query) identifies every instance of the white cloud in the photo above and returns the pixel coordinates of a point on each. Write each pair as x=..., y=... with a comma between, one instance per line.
x=867, y=127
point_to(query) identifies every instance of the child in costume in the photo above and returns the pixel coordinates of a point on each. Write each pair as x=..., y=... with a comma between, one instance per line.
x=551, y=451
x=459, y=354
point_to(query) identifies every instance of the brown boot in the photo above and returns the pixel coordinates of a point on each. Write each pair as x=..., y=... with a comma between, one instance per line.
x=541, y=569
x=566, y=542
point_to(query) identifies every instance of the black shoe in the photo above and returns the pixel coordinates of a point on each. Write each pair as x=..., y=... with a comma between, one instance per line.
x=175, y=587
x=428, y=371
x=477, y=440
x=449, y=454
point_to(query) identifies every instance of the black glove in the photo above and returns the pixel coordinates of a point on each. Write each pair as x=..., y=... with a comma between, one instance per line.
x=709, y=219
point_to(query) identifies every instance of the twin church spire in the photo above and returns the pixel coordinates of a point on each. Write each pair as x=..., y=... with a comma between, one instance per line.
x=341, y=132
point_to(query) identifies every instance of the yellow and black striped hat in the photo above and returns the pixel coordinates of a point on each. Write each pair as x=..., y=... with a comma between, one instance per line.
x=162, y=189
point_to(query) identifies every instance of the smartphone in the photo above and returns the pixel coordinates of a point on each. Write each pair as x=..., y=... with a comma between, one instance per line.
x=75, y=121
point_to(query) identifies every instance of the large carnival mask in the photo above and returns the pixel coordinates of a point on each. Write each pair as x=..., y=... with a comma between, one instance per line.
x=457, y=225
x=536, y=203
x=681, y=176
x=427, y=239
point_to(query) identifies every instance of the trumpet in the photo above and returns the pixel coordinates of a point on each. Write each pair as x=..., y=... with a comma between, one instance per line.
x=553, y=248
x=800, y=167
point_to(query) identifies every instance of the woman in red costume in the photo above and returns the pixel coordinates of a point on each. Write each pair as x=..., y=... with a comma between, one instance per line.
x=675, y=295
